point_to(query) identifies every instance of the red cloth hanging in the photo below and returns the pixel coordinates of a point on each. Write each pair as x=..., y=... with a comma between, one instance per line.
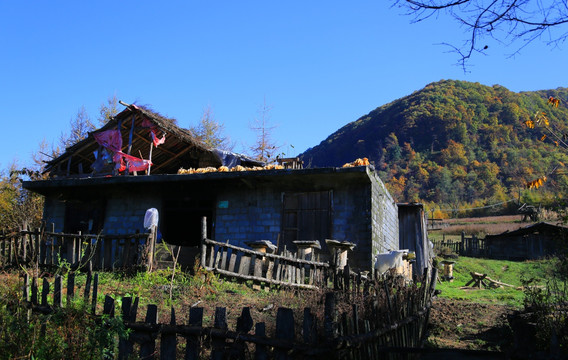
x=110, y=139
x=134, y=163
x=153, y=128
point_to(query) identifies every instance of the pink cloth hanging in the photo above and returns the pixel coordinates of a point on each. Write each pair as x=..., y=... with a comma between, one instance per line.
x=110, y=139
x=153, y=128
x=134, y=163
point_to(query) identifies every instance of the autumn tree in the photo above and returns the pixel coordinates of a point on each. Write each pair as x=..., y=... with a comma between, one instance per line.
x=108, y=110
x=18, y=206
x=265, y=148
x=211, y=132
x=508, y=21
x=79, y=128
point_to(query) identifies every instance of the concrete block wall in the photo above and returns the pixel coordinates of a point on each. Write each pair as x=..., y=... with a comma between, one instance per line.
x=248, y=215
x=385, y=218
x=125, y=212
x=352, y=221
x=54, y=213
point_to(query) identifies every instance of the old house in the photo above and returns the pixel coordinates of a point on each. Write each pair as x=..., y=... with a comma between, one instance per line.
x=106, y=182
x=530, y=242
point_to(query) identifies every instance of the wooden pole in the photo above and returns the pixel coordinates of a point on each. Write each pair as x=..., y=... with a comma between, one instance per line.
x=203, y=237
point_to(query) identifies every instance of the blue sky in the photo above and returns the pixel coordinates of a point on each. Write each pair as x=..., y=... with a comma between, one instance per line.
x=318, y=64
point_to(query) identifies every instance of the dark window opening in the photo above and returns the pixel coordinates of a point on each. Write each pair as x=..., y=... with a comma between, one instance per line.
x=181, y=220
x=84, y=216
x=306, y=216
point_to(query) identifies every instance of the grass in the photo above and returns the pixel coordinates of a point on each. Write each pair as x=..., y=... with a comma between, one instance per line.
x=509, y=272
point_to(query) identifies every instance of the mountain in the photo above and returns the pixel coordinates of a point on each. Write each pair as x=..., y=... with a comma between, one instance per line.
x=457, y=142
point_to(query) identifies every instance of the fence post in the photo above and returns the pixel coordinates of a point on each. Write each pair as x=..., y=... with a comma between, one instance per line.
x=219, y=343
x=203, y=237
x=70, y=287
x=330, y=317
x=125, y=347
x=260, y=350
x=284, y=331
x=192, y=347
x=95, y=293
x=44, y=292
x=57, y=301
x=148, y=347
x=309, y=327
x=26, y=287
x=168, y=342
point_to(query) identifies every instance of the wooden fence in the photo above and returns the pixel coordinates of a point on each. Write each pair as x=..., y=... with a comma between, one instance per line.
x=465, y=246
x=25, y=247
x=388, y=317
x=271, y=269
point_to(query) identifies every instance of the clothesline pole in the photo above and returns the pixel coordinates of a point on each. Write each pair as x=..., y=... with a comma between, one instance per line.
x=130, y=141
x=150, y=157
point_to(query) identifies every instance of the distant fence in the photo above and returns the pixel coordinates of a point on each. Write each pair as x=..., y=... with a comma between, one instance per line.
x=391, y=317
x=465, y=246
x=105, y=252
x=437, y=224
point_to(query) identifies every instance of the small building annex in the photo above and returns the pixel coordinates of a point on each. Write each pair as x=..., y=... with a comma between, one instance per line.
x=530, y=242
x=106, y=182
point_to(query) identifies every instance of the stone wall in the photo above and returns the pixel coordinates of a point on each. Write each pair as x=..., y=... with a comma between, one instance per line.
x=248, y=215
x=385, y=218
x=54, y=214
x=125, y=212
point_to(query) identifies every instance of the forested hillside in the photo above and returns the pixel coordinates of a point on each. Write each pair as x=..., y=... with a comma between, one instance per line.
x=460, y=144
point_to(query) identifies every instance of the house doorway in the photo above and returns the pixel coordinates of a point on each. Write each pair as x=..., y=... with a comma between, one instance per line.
x=181, y=219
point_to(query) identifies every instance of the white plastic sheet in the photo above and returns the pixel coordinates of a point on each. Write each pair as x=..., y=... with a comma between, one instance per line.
x=151, y=218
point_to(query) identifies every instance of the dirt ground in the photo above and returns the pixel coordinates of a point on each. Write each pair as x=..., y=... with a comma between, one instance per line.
x=471, y=326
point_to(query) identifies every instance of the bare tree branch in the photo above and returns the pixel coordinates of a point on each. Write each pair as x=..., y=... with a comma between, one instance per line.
x=507, y=21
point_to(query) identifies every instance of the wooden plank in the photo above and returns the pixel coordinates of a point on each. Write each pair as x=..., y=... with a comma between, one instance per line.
x=260, y=349
x=70, y=287
x=125, y=346
x=26, y=287
x=57, y=291
x=244, y=325
x=309, y=327
x=232, y=261
x=108, y=307
x=34, y=298
x=330, y=317
x=44, y=292
x=212, y=252
x=284, y=331
x=270, y=269
x=244, y=266
x=258, y=267
x=148, y=345
x=168, y=342
x=95, y=293
x=88, y=283
x=192, y=348
x=218, y=256
x=218, y=343
x=224, y=258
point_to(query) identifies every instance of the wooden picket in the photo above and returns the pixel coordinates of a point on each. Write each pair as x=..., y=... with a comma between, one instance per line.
x=394, y=323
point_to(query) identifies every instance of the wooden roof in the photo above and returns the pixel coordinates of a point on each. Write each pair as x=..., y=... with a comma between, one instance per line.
x=530, y=229
x=180, y=149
